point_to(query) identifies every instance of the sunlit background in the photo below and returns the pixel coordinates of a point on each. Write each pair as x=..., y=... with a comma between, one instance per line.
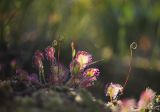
x=104, y=28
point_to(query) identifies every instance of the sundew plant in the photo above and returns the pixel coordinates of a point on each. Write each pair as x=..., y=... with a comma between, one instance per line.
x=79, y=74
x=148, y=101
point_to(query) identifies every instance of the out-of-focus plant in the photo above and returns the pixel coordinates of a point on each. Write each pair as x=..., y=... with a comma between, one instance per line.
x=112, y=90
x=147, y=102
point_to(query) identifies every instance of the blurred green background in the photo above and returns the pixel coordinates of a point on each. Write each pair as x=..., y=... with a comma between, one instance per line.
x=105, y=28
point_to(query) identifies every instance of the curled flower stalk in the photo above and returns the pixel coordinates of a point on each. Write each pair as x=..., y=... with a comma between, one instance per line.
x=133, y=46
x=112, y=90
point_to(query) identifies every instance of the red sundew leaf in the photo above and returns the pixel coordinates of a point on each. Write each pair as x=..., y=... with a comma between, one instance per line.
x=83, y=58
x=49, y=53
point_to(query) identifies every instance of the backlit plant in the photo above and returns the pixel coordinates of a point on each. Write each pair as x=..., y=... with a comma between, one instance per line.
x=79, y=74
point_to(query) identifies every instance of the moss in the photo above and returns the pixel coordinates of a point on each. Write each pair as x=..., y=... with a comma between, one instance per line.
x=55, y=99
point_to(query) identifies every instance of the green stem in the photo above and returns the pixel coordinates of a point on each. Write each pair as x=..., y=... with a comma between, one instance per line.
x=43, y=76
x=40, y=78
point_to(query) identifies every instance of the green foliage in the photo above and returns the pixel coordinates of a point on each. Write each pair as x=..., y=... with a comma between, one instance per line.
x=111, y=21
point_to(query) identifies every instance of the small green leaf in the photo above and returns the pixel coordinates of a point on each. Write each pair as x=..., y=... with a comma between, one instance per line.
x=73, y=53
